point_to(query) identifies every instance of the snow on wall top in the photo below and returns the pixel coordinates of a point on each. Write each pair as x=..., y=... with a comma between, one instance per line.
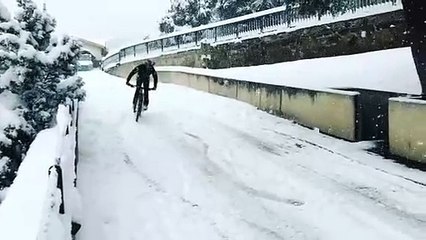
x=408, y=100
x=24, y=203
x=374, y=70
x=30, y=210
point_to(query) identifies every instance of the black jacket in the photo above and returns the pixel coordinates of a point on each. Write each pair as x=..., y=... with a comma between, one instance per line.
x=144, y=71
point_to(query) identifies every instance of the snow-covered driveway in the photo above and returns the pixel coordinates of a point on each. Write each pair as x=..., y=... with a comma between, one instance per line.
x=200, y=166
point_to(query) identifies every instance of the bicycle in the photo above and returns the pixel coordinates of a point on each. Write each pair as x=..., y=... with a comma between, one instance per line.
x=138, y=102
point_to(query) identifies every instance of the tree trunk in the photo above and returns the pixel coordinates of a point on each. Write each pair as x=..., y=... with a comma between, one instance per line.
x=415, y=14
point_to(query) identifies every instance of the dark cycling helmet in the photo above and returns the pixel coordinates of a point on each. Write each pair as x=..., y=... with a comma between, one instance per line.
x=150, y=62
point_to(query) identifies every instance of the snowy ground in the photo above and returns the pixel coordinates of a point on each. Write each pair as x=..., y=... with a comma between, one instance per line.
x=373, y=70
x=201, y=166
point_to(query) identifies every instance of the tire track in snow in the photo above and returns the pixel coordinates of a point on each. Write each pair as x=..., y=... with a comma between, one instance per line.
x=423, y=184
x=354, y=190
x=247, y=189
x=160, y=189
x=368, y=193
x=290, y=230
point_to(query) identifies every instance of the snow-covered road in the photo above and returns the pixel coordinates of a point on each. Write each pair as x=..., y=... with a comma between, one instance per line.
x=200, y=166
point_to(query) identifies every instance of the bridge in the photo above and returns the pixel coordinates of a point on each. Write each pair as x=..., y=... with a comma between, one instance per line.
x=97, y=50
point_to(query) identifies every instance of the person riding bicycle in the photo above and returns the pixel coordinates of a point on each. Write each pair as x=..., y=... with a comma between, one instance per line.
x=143, y=70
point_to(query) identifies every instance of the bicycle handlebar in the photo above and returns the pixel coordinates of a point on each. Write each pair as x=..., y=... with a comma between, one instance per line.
x=131, y=85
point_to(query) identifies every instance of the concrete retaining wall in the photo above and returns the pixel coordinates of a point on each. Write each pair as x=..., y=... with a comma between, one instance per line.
x=249, y=92
x=332, y=112
x=407, y=128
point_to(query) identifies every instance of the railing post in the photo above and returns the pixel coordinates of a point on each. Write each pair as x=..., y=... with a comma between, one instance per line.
x=60, y=186
x=178, y=41
x=237, y=31
x=147, y=50
x=196, y=38
x=215, y=34
x=76, y=159
x=134, y=51
x=162, y=45
x=261, y=24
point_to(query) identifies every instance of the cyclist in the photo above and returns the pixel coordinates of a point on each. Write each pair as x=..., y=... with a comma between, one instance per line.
x=143, y=70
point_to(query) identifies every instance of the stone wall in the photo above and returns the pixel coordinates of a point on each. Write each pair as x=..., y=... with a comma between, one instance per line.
x=371, y=33
x=190, y=58
x=360, y=35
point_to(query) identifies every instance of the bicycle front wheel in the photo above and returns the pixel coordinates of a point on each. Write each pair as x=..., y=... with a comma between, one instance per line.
x=139, y=106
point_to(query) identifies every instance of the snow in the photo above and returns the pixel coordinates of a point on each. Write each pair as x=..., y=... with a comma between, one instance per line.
x=4, y=13
x=374, y=70
x=3, y=162
x=31, y=208
x=408, y=100
x=203, y=165
x=9, y=99
x=9, y=117
x=69, y=82
x=4, y=191
x=85, y=63
x=60, y=50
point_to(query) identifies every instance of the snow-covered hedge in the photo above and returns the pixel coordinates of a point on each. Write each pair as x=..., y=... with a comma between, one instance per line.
x=43, y=201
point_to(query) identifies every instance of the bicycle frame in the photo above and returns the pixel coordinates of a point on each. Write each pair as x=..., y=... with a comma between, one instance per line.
x=138, y=103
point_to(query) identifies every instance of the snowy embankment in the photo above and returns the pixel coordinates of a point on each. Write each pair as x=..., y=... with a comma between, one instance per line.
x=200, y=166
x=388, y=70
x=34, y=207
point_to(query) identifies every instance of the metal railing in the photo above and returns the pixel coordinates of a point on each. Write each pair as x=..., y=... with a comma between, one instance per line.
x=57, y=177
x=248, y=26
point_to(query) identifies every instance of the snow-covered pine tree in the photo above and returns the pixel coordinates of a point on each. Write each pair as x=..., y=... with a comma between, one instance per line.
x=194, y=13
x=47, y=65
x=261, y=5
x=37, y=22
x=167, y=24
x=15, y=133
x=39, y=74
x=178, y=12
x=226, y=9
x=320, y=7
x=199, y=13
x=64, y=53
